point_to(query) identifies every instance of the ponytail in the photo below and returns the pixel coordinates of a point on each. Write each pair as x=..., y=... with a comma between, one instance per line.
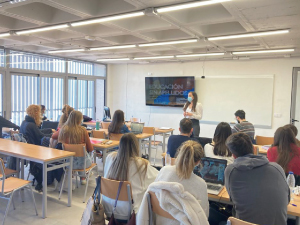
x=190, y=153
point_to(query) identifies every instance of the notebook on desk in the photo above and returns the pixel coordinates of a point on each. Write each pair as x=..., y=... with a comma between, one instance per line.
x=212, y=172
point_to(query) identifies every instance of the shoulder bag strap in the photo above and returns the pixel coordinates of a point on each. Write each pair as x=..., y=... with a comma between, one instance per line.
x=119, y=190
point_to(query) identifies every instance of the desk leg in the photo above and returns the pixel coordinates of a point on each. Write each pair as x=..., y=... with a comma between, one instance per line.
x=22, y=169
x=18, y=167
x=140, y=146
x=104, y=155
x=70, y=181
x=44, y=200
x=150, y=148
x=164, y=143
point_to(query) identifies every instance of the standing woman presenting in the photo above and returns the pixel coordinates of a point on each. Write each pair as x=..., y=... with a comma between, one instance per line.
x=193, y=110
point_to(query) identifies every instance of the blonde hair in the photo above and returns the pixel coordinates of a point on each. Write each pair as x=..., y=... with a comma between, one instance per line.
x=72, y=129
x=190, y=152
x=66, y=110
x=34, y=111
x=128, y=150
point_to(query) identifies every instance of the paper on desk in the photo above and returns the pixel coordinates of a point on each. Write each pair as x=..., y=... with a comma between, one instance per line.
x=165, y=128
x=266, y=147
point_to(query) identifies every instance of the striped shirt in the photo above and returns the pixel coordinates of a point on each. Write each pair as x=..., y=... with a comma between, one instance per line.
x=245, y=127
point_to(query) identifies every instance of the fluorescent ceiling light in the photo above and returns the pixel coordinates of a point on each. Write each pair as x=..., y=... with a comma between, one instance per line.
x=109, y=18
x=168, y=43
x=156, y=57
x=120, y=59
x=112, y=47
x=198, y=55
x=5, y=35
x=42, y=29
x=189, y=5
x=263, y=51
x=68, y=50
x=249, y=35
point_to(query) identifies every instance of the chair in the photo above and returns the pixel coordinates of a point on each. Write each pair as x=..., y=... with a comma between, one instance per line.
x=154, y=207
x=173, y=160
x=9, y=186
x=109, y=188
x=106, y=113
x=104, y=125
x=133, y=119
x=80, y=151
x=98, y=134
x=115, y=137
x=154, y=143
x=235, y=221
x=261, y=140
x=50, y=124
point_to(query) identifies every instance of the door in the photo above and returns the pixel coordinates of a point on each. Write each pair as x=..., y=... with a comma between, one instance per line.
x=295, y=106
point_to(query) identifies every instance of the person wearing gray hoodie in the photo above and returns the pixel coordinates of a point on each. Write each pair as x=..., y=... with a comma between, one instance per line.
x=257, y=187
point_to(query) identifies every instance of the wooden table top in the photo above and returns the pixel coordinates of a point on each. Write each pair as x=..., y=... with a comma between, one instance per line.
x=261, y=149
x=143, y=135
x=292, y=210
x=100, y=145
x=34, y=152
x=161, y=131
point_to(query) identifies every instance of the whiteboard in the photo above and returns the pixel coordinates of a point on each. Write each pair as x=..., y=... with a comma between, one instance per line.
x=222, y=96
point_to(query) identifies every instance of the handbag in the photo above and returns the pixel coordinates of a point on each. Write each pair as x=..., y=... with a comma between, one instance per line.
x=112, y=220
x=94, y=211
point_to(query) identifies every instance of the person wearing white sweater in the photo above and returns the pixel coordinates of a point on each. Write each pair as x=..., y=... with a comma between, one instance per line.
x=217, y=149
x=189, y=156
x=126, y=165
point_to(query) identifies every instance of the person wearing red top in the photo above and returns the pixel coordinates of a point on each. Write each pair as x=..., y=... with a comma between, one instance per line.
x=285, y=151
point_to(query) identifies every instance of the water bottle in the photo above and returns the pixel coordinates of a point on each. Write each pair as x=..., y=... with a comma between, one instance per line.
x=291, y=182
x=168, y=160
x=97, y=125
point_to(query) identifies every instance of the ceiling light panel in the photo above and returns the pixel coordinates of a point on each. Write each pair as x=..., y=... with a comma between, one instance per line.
x=189, y=5
x=112, y=47
x=168, y=43
x=156, y=57
x=42, y=29
x=67, y=50
x=256, y=34
x=107, y=60
x=107, y=19
x=5, y=35
x=199, y=55
x=263, y=51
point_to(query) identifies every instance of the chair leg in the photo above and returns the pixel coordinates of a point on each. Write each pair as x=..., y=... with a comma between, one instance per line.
x=33, y=199
x=7, y=207
x=13, y=202
x=87, y=177
x=62, y=185
x=28, y=175
x=77, y=179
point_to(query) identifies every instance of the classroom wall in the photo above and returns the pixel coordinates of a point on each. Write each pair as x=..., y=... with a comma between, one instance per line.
x=126, y=88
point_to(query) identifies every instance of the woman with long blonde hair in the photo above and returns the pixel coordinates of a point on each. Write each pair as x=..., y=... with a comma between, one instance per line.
x=189, y=155
x=126, y=165
x=66, y=111
x=73, y=133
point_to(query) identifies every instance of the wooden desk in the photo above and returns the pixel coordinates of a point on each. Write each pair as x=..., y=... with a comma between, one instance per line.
x=164, y=133
x=41, y=155
x=90, y=124
x=223, y=197
x=104, y=148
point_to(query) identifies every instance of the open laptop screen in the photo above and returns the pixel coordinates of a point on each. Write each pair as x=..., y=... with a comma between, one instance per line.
x=137, y=127
x=212, y=170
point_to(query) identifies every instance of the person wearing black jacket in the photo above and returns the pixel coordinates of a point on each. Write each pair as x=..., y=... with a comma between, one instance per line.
x=6, y=123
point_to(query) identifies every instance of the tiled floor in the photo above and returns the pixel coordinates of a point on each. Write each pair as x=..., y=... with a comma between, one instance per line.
x=58, y=212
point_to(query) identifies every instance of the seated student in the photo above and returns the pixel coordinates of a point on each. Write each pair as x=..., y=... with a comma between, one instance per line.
x=6, y=123
x=186, y=129
x=43, y=109
x=117, y=125
x=66, y=110
x=126, y=165
x=285, y=151
x=30, y=126
x=217, y=149
x=257, y=187
x=73, y=133
x=189, y=156
x=243, y=125
x=295, y=131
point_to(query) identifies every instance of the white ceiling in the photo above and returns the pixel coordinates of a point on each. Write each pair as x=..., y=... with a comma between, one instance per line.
x=234, y=17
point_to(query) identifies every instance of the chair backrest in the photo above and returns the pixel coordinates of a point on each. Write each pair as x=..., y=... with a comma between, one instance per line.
x=261, y=140
x=115, y=137
x=133, y=119
x=104, y=125
x=107, y=112
x=255, y=150
x=109, y=188
x=79, y=149
x=235, y=221
x=155, y=207
x=50, y=124
x=149, y=130
x=98, y=134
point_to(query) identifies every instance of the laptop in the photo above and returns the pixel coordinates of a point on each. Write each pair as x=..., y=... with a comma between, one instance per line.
x=137, y=128
x=50, y=124
x=212, y=171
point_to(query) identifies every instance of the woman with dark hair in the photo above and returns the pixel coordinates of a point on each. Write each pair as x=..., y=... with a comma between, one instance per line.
x=117, y=125
x=285, y=151
x=217, y=149
x=295, y=131
x=193, y=110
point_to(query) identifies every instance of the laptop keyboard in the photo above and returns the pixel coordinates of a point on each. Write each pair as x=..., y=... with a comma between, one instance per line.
x=213, y=187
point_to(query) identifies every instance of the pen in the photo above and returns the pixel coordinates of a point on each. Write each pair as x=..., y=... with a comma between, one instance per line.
x=294, y=205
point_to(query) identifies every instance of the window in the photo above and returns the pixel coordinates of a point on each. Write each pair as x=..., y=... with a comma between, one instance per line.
x=100, y=70
x=24, y=92
x=52, y=96
x=1, y=95
x=100, y=99
x=23, y=60
x=83, y=68
x=2, y=58
x=72, y=92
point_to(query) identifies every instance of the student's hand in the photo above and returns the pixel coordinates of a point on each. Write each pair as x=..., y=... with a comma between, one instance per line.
x=188, y=114
x=184, y=113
